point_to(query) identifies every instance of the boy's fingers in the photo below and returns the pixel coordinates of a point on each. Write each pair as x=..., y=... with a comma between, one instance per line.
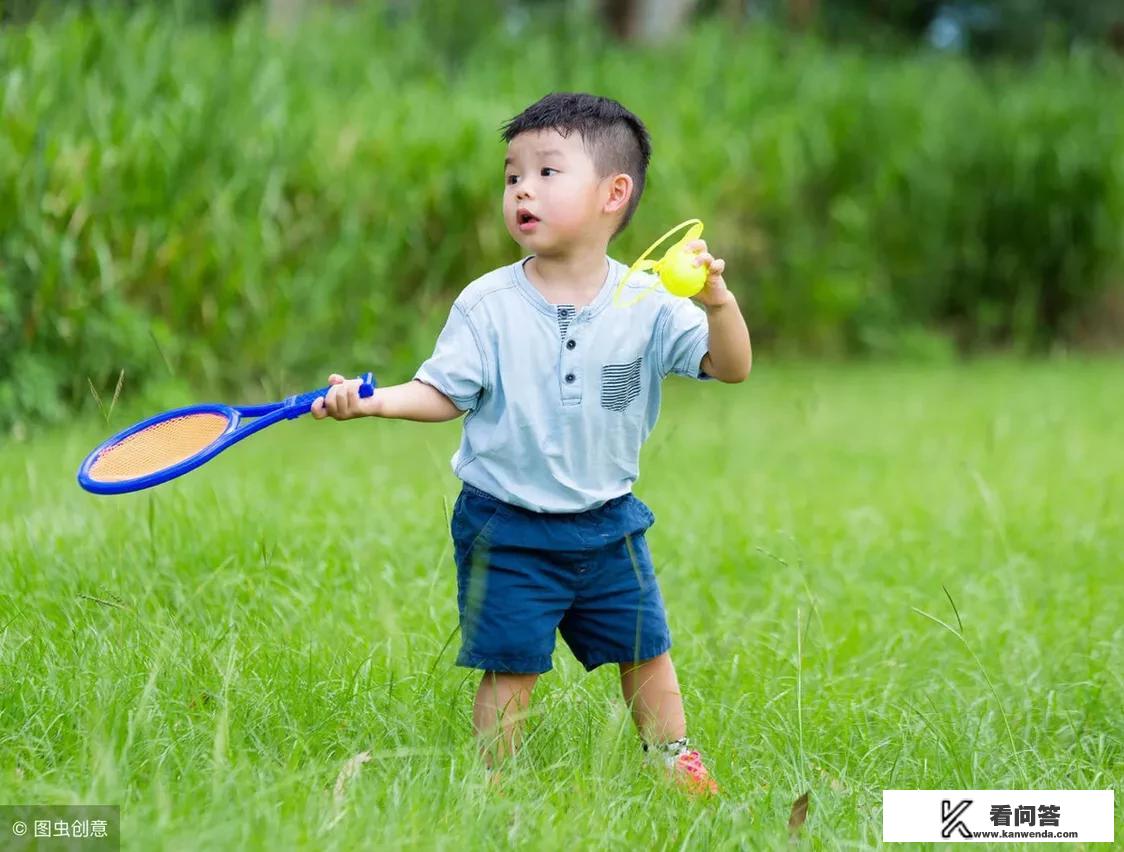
x=335, y=379
x=703, y=258
x=342, y=399
x=318, y=408
x=697, y=245
x=348, y=395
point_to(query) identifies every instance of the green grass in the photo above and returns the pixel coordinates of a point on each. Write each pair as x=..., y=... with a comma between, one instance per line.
x=292, y=604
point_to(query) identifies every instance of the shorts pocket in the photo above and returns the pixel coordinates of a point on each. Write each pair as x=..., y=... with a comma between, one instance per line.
x=473, y=521
x=484, y=535
x=646, y=517
x=620, y=385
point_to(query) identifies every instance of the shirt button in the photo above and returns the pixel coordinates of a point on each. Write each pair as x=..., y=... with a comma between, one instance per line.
x=570, y=344
x=570, y=378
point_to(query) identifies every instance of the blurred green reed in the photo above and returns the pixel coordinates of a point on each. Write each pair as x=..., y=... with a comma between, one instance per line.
x=246, y=208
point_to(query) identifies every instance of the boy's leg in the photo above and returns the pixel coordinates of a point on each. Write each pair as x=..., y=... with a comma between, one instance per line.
x=497, y=714
x=651, y=690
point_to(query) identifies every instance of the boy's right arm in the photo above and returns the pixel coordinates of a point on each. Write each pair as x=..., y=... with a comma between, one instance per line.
x=414, y=400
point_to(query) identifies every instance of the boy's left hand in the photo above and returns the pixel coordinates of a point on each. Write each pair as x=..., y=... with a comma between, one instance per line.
x=714, y=293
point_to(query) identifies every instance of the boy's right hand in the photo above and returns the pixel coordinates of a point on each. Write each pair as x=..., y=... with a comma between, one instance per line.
x=343, y=401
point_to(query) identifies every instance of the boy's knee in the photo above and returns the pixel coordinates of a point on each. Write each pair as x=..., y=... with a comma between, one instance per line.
x=512, y=680
x=659, y=660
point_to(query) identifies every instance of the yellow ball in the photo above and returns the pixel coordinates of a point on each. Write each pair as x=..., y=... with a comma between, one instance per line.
x=678, y=272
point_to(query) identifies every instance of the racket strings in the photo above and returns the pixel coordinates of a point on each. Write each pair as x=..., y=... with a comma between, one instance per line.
x=158, y=447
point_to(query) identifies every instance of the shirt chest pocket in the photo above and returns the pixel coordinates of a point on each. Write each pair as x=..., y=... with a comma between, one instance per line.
x=622, y=384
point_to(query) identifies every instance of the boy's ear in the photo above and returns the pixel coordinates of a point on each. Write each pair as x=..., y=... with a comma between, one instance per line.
x=620, y=191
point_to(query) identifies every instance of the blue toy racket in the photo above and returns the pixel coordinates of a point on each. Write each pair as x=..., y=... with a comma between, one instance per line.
x=175, y=442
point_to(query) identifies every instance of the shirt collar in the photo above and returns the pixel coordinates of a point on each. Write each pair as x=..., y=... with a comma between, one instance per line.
x=604, y=296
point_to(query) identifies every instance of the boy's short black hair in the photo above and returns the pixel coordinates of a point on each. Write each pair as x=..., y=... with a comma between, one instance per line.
x=616, y=139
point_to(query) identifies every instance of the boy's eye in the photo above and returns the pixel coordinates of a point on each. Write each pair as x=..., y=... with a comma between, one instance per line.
x=511, y=179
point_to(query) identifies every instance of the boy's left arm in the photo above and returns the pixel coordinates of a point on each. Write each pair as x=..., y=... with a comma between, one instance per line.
x=729, y=355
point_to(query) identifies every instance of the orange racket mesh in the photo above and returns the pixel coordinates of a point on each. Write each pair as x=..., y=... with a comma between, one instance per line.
x=158, y=447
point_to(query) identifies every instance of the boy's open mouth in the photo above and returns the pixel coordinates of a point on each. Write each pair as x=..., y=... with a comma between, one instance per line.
x=526, y=220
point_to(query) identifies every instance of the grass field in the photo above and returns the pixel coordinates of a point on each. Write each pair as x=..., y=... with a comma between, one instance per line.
x=210, y=654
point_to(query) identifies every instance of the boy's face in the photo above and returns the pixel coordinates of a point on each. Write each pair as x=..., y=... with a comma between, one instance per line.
x=552, y=195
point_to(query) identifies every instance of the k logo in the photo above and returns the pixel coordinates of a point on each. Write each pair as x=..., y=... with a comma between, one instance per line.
x=950, y=816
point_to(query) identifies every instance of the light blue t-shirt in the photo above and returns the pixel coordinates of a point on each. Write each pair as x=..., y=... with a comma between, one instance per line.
x=560, y=401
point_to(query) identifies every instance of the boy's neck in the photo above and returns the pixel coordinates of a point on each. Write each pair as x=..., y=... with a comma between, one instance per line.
x=574, y=278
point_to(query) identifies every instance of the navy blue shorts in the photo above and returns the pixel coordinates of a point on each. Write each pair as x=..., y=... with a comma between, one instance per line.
x=521, y=575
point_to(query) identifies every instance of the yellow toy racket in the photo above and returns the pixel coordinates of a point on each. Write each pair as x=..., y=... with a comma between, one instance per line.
x=676, y=270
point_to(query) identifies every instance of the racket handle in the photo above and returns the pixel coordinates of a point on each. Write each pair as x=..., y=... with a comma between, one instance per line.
x=295, y=406
x=367, y=389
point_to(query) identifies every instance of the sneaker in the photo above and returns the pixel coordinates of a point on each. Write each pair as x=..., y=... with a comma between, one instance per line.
x=688, y=772
x=683, y=766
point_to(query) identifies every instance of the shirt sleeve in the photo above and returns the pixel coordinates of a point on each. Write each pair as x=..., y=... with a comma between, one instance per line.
x=456, y=367
x=683, y=339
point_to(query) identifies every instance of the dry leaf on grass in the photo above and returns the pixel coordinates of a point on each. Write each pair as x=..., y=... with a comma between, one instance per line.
x=799, y=814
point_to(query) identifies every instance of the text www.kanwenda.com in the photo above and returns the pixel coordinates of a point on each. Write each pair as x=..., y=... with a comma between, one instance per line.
x=1014, y=835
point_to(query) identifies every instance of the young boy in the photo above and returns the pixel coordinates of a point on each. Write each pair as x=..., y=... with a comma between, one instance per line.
x=561, y=389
